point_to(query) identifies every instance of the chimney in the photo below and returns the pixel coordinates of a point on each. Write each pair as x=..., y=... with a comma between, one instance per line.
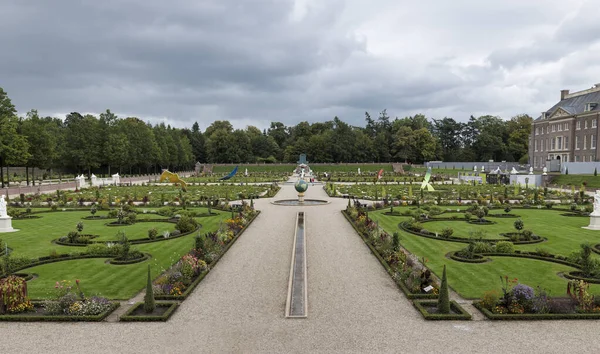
x=563, y=94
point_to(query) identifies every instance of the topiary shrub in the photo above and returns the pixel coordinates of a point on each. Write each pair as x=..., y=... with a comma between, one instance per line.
x=482, y=247
x=152, y=233
x=149, y=304
x=518, y=224
x=186, y=224
x=447, y=232
x=444, y=297
x=505, y=247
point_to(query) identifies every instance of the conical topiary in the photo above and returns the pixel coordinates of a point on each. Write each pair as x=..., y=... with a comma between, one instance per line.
x=444, y=298
x=149, y=304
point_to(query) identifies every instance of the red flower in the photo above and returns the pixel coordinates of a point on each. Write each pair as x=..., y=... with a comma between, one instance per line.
x=77, y=281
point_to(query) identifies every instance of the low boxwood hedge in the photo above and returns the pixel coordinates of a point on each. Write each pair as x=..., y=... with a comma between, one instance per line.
x=58, y=318
x=575, y=276
x=535, y=316
x=129, y=317
x=145, y=256
x=454, y=306
x=479, y=259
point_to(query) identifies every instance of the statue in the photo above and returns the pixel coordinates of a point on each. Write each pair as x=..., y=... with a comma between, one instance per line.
x=3, y=213
x=596, y=203
x=475, y=168
x=359, y=171
x=513, y=171
x=544, y=171
x=530, y=170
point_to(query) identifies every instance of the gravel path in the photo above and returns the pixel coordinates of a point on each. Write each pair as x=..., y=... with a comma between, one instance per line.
x=353, y=305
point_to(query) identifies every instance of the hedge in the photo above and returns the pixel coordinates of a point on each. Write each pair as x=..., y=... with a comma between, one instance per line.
x=454, y=256
x=136, y=241
x=535, y=316
x=145, y=256
x=454, y=306
x=400, y=284
x=128, y=317
x=54, y=318
x=572, y=276
x=402, y=226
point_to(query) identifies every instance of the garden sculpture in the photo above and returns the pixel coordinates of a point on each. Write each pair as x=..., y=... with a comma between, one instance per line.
x=596, y=203
x=173, y=178
x=3, y=213
x=231, y=174
x=426, y=183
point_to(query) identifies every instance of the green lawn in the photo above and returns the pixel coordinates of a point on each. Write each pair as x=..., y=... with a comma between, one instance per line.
x=576, y=180
x=472, y=280
x=96, y=276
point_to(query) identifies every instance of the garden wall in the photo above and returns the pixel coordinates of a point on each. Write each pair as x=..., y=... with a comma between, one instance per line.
x=580, y=168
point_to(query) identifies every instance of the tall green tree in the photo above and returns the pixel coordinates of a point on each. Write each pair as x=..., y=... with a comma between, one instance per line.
x=14, y=148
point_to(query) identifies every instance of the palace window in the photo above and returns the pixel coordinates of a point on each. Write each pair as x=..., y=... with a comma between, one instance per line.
x=592, y=141
x=594, y=124
x=566, y=138
x=578, y=125
x=576, y=143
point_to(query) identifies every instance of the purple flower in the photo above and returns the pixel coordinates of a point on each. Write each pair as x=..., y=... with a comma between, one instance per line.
x=523, y=292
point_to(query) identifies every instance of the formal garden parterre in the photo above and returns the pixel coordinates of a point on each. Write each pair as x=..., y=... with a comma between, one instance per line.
x=75, y=261
x=531, y=247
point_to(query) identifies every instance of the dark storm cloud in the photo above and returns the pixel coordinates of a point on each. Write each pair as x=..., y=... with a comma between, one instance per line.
x=283, y=60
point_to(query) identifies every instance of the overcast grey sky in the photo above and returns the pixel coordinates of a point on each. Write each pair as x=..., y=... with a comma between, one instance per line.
x=256, y=61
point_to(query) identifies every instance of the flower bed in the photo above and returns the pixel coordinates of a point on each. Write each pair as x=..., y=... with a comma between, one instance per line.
x=69, y=303
x=521, y=302
x=397, y=276
x=162, y=312
x=535, y=316
x=38, y=315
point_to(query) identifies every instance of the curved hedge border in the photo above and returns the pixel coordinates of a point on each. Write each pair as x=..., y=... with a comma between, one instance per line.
x=400, y=284
x=507, y=216
x=535, y=316
x=145, y=256
x=572, y=276
x=201, y=276
x=135, y=241
x=403, y=227
x=461, y=315
x=485, y=222
x=27, y=217
x=596, y=248
x=61, y=318
x=128, y=317
x=454, y=256
x=59, y=258
x=25, y=276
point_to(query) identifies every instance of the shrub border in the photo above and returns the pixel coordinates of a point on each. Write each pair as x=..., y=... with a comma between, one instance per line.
x=136, y=241
x=197, y=281
x=60, y=318
x=464, y=240
x=145, y=257
x=535, y=316
x=570, y=276
x=128, y=317
x=463, y=315
x=452, y=255
x=400, y=284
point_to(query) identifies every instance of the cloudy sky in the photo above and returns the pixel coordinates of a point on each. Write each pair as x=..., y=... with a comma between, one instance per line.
x=257, y=61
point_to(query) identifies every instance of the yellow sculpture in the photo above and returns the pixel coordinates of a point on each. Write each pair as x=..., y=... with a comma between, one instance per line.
x=171, y=177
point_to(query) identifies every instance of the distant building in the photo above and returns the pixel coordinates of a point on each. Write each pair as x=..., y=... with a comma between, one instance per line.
x=568, y=131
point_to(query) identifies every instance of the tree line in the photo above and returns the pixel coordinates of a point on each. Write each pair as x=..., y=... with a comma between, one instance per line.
x=87, y=143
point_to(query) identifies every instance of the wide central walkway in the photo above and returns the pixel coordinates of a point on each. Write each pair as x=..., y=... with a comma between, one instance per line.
x=353, y=305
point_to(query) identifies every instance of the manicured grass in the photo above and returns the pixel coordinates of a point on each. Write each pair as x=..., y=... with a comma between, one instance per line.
x=576, y=180
x=472, y=280
x=96, y=276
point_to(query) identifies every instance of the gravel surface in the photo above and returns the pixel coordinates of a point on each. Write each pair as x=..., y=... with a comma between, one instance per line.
x=353, y=305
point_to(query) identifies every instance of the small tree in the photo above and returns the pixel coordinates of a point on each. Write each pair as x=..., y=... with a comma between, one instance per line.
x=396, y=241
x=149, y=304
x=567, y=171
x=93, y=209
x=507, y=209
x=595, y=172
x=444, y=298
x=79, y=226
x=519, y=225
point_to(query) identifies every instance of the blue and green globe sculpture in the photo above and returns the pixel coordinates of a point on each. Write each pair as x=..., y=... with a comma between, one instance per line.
x=301, y=187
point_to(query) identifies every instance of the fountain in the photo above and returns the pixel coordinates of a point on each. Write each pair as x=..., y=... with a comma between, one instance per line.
x=301, y=187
